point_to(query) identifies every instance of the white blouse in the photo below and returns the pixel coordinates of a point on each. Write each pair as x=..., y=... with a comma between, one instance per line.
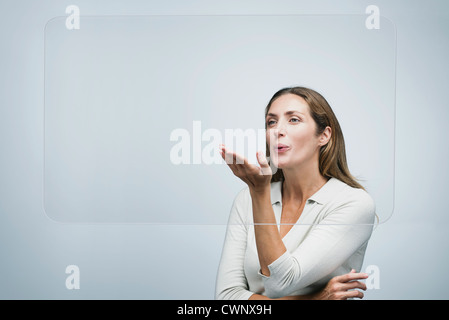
x=329, y=239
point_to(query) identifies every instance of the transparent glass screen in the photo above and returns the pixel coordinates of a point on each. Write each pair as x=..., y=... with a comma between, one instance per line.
x=136, y=106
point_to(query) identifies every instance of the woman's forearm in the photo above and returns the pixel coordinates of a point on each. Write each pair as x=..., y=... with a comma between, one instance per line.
x=268, y=240
x=338, y=288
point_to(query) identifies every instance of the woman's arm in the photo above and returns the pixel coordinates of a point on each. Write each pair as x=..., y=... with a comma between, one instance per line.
x=268, y=240
x=231, y=283
x=231, y=280
x=338, y=288
x=327, y=246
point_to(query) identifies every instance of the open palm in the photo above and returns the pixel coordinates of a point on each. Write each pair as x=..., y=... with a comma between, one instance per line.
x=257, y=178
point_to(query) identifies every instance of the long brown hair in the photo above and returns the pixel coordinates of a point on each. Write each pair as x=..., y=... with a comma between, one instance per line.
x=332, y=158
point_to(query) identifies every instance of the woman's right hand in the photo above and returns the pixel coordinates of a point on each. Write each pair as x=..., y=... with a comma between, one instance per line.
x=341, y=287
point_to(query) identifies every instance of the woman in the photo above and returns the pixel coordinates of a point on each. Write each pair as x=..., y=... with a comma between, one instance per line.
x=301, y=232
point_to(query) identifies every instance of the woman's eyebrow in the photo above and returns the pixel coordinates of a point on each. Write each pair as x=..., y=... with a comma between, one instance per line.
x=286, y=113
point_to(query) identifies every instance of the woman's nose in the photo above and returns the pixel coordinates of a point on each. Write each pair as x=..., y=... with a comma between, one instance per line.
x=281, y=130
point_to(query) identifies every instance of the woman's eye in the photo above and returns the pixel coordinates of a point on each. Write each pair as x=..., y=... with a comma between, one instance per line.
x=270, y=122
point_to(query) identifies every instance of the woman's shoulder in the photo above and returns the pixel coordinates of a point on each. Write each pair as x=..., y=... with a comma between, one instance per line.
x=351, y=197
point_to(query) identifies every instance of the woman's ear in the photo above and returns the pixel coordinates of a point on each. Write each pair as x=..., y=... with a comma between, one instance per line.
x=325, y=136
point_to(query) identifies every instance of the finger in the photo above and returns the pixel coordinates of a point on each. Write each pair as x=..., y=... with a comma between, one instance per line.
x=238, y=159
x=231, y=157
x=351, y=276
x=354, y=294
x=262, y=159
x=222, y=153
x=264, y=166
x=226, y=154
x=353, y=285
x=221, y=148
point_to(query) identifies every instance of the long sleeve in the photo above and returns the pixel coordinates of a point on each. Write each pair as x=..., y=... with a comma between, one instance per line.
x=328, y=245
x=231, y=280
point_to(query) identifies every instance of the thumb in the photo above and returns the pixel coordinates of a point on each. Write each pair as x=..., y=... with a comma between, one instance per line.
x=262, y=159
x=265, y=167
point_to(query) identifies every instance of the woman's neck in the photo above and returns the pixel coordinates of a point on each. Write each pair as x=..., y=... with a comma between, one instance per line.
x=300, y=184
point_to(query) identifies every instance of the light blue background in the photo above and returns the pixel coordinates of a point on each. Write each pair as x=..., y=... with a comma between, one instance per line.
x=180, y=261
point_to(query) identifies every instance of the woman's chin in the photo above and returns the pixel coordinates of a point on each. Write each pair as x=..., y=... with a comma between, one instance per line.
x=280, y=165
x=282, y=162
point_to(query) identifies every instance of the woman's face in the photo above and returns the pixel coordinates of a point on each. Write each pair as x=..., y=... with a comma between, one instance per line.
x=291, y=133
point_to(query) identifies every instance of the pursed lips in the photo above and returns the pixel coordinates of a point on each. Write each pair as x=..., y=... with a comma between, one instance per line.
x=282, y=147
